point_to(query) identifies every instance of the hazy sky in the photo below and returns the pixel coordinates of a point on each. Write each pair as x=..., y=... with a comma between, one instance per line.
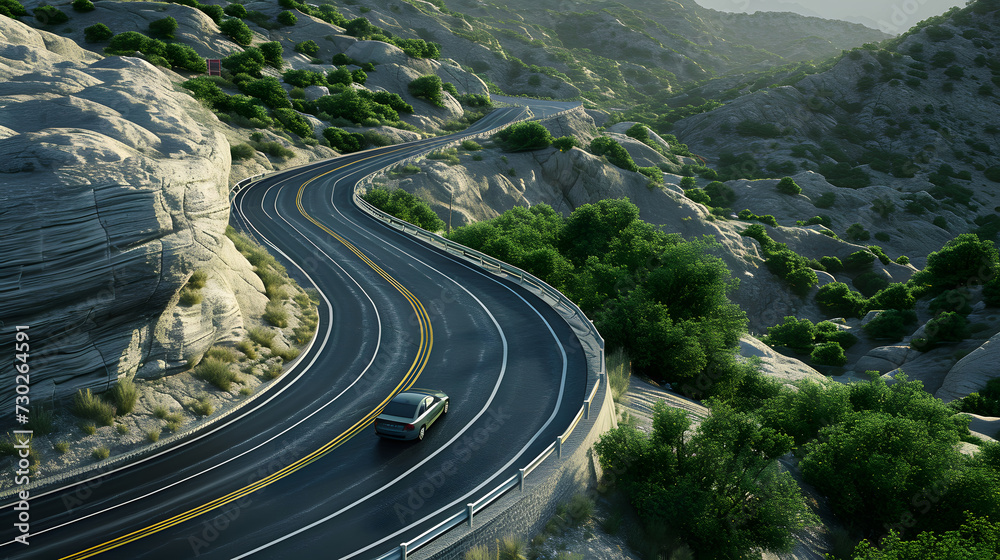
x=891, y=16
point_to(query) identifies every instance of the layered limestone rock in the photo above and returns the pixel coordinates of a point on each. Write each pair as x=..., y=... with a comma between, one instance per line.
x=114, y=191
x=972, y=372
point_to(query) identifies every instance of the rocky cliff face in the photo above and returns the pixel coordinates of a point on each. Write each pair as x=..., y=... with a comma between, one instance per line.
x=114, y=191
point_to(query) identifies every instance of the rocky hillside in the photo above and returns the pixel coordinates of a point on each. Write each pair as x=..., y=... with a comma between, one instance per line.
x=915, y=118
x=114, y=193
x=609, y=52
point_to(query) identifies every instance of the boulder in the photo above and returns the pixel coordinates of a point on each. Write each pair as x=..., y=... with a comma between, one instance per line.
x=115, y=191
x=972, y=372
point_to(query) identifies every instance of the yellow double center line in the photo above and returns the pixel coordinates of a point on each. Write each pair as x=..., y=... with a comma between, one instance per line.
x=419, y=362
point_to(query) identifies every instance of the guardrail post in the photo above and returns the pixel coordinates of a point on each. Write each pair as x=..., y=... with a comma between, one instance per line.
x=468, y=511
x=402, y=550
x=520, y=479
x=559, y=447
x=586, y=410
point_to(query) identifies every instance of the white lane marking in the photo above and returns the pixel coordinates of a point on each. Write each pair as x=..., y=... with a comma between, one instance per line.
x=468, y=426
x=272, y=438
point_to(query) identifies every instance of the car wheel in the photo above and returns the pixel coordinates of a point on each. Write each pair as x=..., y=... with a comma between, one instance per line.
x=446, y=407
x=420, y=435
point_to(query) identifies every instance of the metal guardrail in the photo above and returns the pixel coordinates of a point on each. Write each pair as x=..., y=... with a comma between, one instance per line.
x=547, y=292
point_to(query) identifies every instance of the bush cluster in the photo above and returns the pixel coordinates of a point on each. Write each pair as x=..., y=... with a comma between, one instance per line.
x=781, y=261
x=524, y=136
x=170, y=54
x=404, y=206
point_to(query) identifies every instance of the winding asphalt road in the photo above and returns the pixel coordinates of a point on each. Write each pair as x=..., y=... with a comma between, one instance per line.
x=299, y=473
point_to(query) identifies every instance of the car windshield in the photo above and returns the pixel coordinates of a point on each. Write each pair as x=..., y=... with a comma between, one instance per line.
x=404, y=410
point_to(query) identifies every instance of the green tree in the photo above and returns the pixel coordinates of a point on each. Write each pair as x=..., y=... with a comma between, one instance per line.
x=343, y=141
x=428, y=87
x=722, y=196
x=903, y=457
x=788, y=186
x=638, y=131
x=83, y=6
x=359, y=77
x=12, y=9
x=524, y=136
x=721, y=492
x=891, y=324
x=360, y=27
x=976, y=539
x=287, y=18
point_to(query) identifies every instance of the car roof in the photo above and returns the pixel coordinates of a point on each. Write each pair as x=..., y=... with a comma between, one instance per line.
x=409, y=398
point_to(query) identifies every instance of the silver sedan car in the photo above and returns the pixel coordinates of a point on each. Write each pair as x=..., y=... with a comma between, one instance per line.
x=410, y=413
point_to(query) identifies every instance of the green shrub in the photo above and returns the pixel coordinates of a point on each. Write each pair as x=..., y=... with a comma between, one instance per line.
x=202, y=406
x=838, y=299
x=903, y=260
x=276, y=314
x=879, y=254
x=271, y=52
x=237, y=31
x=164, y=27
x=41, y=421
x=83, y=5
x=891, y=324
x=793, y=333
x=616, y=154
x=308, y=47
x=359, y=76
x=654, y=174
x=956, y=301
x=831, y=264
x=993, y=173
x=89, y=406
x=940, y=222
x=241, y=151
x=524, y=136
x=829, y=332
x=12, y=9
x=294, y=122
x=688, y=182
x=856, y=232
x=344, y=141
x=273, y=149
x=261, y=335
x=859, y=260
x=97, y=33
x=222, y=354
x=124, y=395
x=721, y=194
x=235, y=10
x=62, y=447
x=698, y=195
x=882, y=236
x=893, y=296
x=100, y=453
x=788, y=186
x=946, y=327
x=288, y=18
x=825, y=200
x=50, y=15
x=471, y=145
x=429, y=87
x=828, y=354
x=216, y=372
x=870, y=283
x=404, y=206
x=153, y=436
x=565, y=143
x=758, y=129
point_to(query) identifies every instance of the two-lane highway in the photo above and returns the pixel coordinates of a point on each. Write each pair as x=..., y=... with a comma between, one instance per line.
x=299, y=472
